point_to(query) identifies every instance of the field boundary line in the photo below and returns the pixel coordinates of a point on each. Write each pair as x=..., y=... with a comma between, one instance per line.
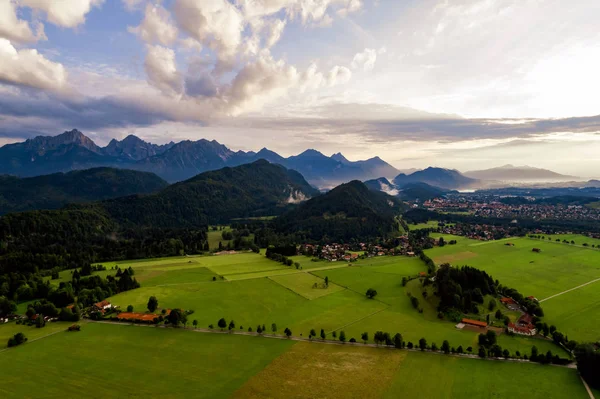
x=587, y=387
x=477, y=244
x=572, y=289
x=564, y=243
x=35, y=339
x=331, y=342
x=362, y=318
x=287, y=288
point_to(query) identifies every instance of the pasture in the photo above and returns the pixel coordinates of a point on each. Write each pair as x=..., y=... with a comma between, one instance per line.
x=452, y=377
x=556, y=269
x=7, y=330
x=100, y=360
x=103, y=361
x=306, y=285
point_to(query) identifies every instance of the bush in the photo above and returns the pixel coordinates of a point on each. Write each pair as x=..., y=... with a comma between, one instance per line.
x=17, y=339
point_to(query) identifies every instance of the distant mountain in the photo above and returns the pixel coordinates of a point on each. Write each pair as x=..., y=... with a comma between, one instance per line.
x=173, y=162
x=349, y=211
x=437, y=177
x=517, y=173
x=256, y=189
x=420, y=191
x=134, y=148
x=43, y=155
x=382, y=184
x=56, y=190
x=408, y=192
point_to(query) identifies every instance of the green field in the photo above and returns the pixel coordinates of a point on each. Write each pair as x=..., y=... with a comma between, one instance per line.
x=8, y=330
x=214, y=237
x=453, y=377
x=432, y=224
x=303, y=284
x=558, y=268
x=105, y=360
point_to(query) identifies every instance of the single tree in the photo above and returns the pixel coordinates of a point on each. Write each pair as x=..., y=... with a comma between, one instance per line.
x=175, y=317
x=506, y=353
x=365, y=337
x=334, y=334
x=499, y=314
x=152, y=304
x=222, y=323
x=422, y=344
x=326, y=281
x=410, y=345
x=130, y=308
x=287, y=332
x=40, y=322
x=231, y=325
x=195, y=323
x=371, y=293
x=459, y=349
x=323, y=334
x=469, y=349
x=482, y=353
x=342, y=336
x=274, y=328
x=398, y=340
x=434, y=347
x=446, y=347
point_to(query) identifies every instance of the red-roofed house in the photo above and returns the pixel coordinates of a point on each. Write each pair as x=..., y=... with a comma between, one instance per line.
x=475, y=323
x=102, y=305
x=507, y=301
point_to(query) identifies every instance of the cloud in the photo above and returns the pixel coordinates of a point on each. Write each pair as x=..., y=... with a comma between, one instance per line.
x=338, y=75
x=29, y=68
x=15, y=29
x=365, y=60
x=156, y=27
x=216, y=23
x=132, y=5
x=275, y=29
x=65, y=13
x=161, y=70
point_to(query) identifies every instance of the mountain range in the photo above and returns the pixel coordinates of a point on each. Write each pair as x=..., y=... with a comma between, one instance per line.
x=438, y=177
x=518, y=174
x=173, y=162
x=59, y=189
x=407, y=192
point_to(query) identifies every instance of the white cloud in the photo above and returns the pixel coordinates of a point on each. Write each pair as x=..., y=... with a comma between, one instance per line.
x=15, y=29
x=132, y=5
x=365, y=60
x=161, y=70
x=65, y=13
x=216, y=23
x=338, y=75
x=275, y=30
x=156, y=27
x=29, y=68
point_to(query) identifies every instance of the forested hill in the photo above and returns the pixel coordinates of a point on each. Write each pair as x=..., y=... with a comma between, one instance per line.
x=347, y=212
x=56, y=190
x=170, y=222
x=256, y=189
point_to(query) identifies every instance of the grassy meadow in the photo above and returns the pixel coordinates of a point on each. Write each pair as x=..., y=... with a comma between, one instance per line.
x=101, y=359
x=558, y=268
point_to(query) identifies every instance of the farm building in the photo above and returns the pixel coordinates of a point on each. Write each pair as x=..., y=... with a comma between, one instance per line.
x=422, y=274
x=507, y=301
x=476, y=323
x=103, y=305
x=524, y=326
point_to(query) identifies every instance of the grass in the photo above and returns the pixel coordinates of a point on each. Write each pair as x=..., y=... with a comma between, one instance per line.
x=214, y=237
x=304, y=285
x=105, y=361
x=8, y=330
x=398, y=315
x=432, y=224
x=423, y=375
x=325, y=371
x=559, y=267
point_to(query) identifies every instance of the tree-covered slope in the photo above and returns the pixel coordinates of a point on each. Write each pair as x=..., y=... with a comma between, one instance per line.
x=56, y=190
x=349, y=211
x=257, y=189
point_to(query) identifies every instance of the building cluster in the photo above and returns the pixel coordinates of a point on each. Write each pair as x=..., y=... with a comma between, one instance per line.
x=350, y=252
x=490, y=206
x=523, y=326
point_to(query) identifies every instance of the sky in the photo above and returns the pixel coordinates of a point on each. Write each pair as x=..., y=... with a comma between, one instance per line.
x=465, y=84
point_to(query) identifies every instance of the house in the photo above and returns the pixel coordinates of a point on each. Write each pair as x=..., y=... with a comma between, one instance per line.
x=532, y=298
x=422, y=274
x=410, y=254
x=507, y=301
x=103, y=305
x=521, y=330
x=476, y=323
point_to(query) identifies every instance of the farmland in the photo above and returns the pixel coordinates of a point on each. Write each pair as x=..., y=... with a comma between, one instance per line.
x=178, y=362
x=557, y=268
x=255, y=290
